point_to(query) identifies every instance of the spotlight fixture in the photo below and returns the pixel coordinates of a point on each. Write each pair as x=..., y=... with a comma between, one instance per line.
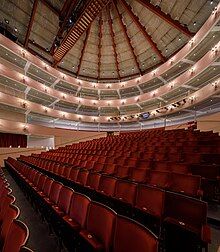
x=16, y=29
x=6, y=21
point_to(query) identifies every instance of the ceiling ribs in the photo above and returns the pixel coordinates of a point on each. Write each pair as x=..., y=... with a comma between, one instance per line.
x=90, y=12
x=33, y=12
x=166, y=17
x=83, y=50
x=49, y=6
x=143, y=30
x=65, y=15
x=38, y=46
x=126, y=36
x=100, y=46
x=110, y=22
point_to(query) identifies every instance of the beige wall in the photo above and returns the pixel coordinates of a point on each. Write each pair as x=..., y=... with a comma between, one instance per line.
x=13, y=116
x=210, y=122
x=16, y=152
x=79, y=137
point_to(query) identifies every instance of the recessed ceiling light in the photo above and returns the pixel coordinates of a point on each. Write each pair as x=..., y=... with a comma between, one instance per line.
x=16, y=29
x=47, y=49
x=6, y=21
x=15, y=59
x=194, y=23
x=211, y=2
x=180, y=38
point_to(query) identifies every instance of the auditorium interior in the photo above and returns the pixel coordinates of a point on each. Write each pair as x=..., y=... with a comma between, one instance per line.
x=109, y=126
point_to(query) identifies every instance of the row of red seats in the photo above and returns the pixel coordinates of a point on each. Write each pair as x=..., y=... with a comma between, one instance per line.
x=177, y=182
x=151, y=206
x=90, y=226
x=13, y=232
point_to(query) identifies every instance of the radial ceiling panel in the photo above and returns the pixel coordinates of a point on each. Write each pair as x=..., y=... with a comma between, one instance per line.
x=115, y=46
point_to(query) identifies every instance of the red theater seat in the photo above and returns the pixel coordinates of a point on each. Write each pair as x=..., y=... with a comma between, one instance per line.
x=107, y=185
x=54, y=193
x=185, y=223
x=139, y=175
x=150, y=206
x=76, y=217
x=93, y=180
x=186, y=184
x=82, y=177
x=99, y=229
x=125, y=191
x=159, y=179
x=73, y=174
x=17, y=237
x=64, y=200
x=11, y=214
x=132, y=236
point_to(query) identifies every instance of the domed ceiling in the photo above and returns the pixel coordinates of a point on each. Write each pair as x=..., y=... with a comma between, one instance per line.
x=116, y=40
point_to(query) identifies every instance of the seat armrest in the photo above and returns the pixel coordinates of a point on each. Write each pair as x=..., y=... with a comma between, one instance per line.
x=206, y=234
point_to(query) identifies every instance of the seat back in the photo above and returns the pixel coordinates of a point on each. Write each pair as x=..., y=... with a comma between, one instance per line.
x=107, y=185
x=132, y=236
x=125, y=191
x=122, y=171
x=82, y=177
x=73, y=174
x=159, y=179
x=78, y=208
x=41, y=182
x=36, y=178
x=65, y=197
x=11, y=214
x=47, y=186
x=17, y=237
x=98, y=167
x=55, y=191
x=139, y=175
x=93, y=180
x=109, y=168
x=187, y=184
x=100, y=222
x=150, y=200
x=66, y=171
x=185, y=210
